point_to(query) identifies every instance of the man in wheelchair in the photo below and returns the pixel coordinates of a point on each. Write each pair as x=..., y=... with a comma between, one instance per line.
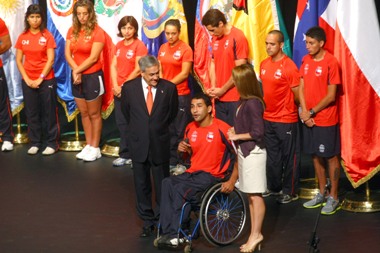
x=212, y=161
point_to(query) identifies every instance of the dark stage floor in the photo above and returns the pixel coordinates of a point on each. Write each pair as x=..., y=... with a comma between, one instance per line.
x=58, y=204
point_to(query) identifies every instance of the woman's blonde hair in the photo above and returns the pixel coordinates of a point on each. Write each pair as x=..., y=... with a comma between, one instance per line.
x=91, y=22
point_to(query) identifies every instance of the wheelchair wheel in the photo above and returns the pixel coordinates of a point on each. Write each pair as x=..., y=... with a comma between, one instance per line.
x=222, y=216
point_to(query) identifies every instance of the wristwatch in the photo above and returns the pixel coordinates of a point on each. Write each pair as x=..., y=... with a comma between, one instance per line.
x=312, y=113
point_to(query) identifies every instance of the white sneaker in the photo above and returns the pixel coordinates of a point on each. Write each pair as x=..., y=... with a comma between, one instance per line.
x=92, y=155
x=121, y=162
x=7, y=146
x=84, y=151
x=33, y=150
x=48, y=151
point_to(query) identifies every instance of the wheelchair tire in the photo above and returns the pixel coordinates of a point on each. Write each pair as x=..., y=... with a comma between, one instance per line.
x=222, y=216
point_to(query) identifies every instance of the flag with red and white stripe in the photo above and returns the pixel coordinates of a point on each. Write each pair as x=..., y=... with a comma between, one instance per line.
x=357, y=49
x=312, y=13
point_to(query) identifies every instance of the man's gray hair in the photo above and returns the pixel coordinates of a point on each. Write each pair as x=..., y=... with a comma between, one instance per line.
x=147, y=62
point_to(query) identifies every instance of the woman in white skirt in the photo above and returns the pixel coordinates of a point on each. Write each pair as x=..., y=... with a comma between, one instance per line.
x=248, y=134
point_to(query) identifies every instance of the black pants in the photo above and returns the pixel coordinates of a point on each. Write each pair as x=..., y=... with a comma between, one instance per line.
x=146, y=210
x=42, y=101
x=176, y=190
x=122, y=126
x=226, y=111
x=177, y=127
x=283, y=156
x=5, y=109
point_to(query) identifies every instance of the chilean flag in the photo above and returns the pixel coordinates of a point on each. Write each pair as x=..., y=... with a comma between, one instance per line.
x=357, y=49
x=312, y=13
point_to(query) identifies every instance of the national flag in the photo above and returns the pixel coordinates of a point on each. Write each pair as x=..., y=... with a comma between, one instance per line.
x=109, y=14
x=202, y=50
x=256, y=18
x=312, y=13
x=59, y=20
x=12, y=12
x=155, y=14
x=357, y=49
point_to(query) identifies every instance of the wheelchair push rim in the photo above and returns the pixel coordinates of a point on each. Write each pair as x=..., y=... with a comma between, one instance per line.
x=222, y=216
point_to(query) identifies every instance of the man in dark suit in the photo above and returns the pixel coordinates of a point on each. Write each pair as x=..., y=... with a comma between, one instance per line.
x=148, y=131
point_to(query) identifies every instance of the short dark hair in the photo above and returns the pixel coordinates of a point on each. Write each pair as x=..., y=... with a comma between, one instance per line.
x=317, y=33
x=174, y=22
x=213, y=17
x=279, y=33
x=128, y=20
x=204, y=97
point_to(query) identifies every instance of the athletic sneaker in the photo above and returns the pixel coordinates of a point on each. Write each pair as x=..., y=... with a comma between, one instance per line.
x=268, y=193
x=317, y=201
x=121, y=162
x=7, y=146
x=92, y=155
x=286, y=198
x=33, y=150
x=84, y=151
x=166, y=240
x=332, y=205
x=48, y=151
x=178, y=170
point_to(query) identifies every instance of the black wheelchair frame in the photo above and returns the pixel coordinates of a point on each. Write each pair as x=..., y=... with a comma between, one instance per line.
x=221, y=219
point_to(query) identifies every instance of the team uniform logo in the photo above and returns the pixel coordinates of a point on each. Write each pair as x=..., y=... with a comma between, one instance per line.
x=306, y=69
x=177, y=55
x=42, y=41
x=215, y=46
x=277, y=74
x=226, y=44
x=210, y=136
x=322, y=148
x=130, y=54
x=194, y=136
x=318, y=71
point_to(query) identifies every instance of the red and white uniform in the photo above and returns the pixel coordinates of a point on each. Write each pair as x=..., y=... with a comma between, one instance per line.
x=81, y=47
x=126, y=58
x=225, y=51
x=34, y=48
x=171, y=59
x=278, y=79
x=207, y=147
x=317, y=75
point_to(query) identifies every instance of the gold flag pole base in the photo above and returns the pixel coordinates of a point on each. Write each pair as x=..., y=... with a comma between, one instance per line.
x=21, y=137
x=72, y=141
x=367, y=202
x=111, y=148
x=308, y=188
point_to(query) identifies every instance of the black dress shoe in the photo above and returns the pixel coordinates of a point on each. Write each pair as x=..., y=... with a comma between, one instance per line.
x=147, y=231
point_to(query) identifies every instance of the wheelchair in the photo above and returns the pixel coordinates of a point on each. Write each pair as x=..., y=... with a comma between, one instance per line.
x=221, y=218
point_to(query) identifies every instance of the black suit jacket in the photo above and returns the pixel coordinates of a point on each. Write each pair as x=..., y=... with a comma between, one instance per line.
x=149, y=134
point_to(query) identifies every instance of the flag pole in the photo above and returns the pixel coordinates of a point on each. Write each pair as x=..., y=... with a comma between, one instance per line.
x=111, y=148
x=308, y=188
x=20, y=137
x=363, y=202
x=73, y=141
